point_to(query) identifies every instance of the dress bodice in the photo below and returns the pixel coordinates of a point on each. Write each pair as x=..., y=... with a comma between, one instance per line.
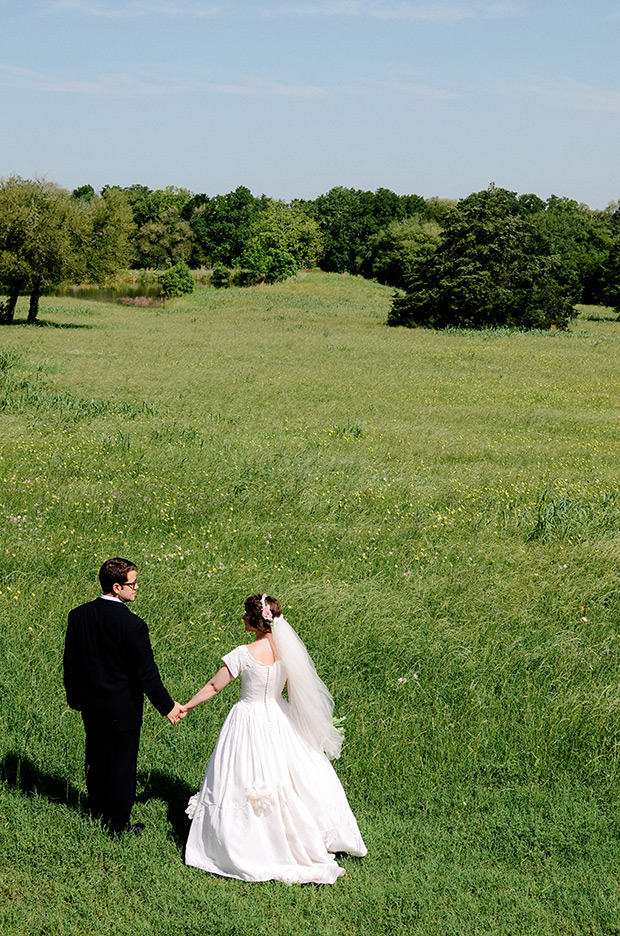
x=259, y=682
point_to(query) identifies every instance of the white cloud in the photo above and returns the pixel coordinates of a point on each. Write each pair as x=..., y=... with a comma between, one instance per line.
x=128, y=86
x=402, y=86
x=132, y=9
x=437, y=12
x=568, y=93
x=117, y=84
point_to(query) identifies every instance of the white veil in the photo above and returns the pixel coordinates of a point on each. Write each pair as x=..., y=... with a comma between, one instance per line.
x=311, y=703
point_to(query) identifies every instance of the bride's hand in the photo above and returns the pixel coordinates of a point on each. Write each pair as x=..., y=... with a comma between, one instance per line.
x=176, y=713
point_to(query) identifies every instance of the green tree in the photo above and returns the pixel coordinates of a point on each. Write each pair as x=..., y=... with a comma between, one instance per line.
x=37, y=239
x=83, y=193
x=148, y=205
x=265, y=264
x=222, y=225
x=490, y=269
x=220, y=276
x=437, y=209
x=348, y=218
x=577, y=236
x=47, y=237
x=166, y=241
x=345, y=228
x=104, y=230
x=283, y=240
x=177, y=281
x=161, y=234
x=609, y=287
x=14, y=224
x=393, y=253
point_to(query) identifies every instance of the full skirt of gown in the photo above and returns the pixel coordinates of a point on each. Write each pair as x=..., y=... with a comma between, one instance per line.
x=270, y=807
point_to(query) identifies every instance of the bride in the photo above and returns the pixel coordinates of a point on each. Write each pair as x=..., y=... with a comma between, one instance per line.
x=271, y=806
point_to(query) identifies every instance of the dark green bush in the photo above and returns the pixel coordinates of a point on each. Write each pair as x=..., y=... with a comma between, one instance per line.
x=220, y=277
x=177, y=281
x=490, y=269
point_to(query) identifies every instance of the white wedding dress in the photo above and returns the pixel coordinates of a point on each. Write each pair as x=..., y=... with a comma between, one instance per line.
x=271, y=807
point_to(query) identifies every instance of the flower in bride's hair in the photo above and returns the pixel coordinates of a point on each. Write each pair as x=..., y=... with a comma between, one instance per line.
x=261, y=799
x=266, y=610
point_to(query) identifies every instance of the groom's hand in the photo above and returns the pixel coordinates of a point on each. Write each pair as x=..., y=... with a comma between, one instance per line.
x=176, y=714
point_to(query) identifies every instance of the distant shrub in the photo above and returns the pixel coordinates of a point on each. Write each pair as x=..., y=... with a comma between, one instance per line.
x=202, y=277
x=220, y=277
x=177, y=281
x=393, y=253
x=281, y=264
x=243, y=276
x=267, y=264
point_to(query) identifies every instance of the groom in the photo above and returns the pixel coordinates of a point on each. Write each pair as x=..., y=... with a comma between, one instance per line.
x=108, y=668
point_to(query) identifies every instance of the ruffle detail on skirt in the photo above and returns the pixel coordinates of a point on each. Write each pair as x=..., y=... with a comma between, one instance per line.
x=192, y=805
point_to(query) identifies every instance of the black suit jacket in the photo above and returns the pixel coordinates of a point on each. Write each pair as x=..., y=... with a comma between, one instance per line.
x=109, y=666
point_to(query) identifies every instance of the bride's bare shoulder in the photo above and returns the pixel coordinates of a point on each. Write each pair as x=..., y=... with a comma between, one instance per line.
x=261, y=651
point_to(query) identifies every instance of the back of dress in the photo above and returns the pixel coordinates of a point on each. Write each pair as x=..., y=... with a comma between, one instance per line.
x=260, y=683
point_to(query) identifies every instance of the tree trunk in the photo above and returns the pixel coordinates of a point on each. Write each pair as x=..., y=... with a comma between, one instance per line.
x=34, y=304
x=9, y=309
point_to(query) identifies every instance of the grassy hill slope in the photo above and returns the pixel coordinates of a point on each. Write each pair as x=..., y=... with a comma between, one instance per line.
x=439, y=515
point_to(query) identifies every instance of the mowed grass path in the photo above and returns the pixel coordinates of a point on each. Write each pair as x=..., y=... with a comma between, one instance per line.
x=439, y=514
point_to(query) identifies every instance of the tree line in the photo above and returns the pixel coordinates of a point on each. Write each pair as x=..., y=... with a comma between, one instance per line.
x=494, y=257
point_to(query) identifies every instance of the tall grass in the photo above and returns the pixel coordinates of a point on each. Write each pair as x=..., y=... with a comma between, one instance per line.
x=438, y=513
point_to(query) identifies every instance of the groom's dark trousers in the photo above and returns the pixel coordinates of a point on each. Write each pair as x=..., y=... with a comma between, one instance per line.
x=108, y=668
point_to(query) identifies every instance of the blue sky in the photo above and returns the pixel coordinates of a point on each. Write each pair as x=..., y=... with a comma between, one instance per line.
x=293, y=97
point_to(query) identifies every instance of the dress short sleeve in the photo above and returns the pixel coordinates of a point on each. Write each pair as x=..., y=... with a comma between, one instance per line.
x=233, y=661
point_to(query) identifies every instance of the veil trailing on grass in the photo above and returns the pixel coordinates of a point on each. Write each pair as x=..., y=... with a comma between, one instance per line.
x=311, y=703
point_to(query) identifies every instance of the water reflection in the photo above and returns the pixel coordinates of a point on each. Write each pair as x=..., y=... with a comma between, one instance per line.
x=127, y=294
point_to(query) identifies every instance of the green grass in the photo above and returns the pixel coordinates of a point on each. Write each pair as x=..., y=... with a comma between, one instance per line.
x=439, y=514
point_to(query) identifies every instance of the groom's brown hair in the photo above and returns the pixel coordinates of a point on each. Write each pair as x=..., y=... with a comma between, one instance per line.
x=114, y=570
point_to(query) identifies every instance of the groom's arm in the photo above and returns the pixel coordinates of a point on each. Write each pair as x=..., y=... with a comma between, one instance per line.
x=71, y=669
x=146, y=669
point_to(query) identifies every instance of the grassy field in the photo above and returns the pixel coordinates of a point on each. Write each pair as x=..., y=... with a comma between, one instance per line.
x=439, y=514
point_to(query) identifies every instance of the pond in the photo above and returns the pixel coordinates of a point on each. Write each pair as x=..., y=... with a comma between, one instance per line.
x=127, y=294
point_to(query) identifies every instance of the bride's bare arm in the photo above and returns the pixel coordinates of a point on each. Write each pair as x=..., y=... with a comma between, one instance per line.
x=215, y=685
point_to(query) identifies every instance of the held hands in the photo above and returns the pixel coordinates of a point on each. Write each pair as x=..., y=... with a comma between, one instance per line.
x=221, y=679
x=176, y=714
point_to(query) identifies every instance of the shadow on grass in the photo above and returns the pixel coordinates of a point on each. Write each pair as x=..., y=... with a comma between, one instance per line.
x=175, y=793
x=44, y=323
x=22, y=775
x=593, y=317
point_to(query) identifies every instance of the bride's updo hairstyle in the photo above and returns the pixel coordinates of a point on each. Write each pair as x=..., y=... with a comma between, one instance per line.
x=254, y=609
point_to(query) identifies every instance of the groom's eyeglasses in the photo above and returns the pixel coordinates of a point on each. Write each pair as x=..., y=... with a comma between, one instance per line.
x=133, y=585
